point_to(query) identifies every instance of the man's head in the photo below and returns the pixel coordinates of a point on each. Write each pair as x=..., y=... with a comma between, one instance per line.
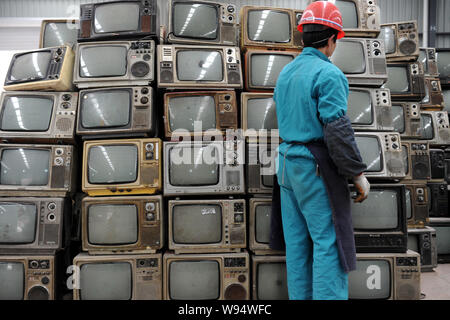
x=320, y=37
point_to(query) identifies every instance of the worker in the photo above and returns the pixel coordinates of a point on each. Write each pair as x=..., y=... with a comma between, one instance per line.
x=316, y=159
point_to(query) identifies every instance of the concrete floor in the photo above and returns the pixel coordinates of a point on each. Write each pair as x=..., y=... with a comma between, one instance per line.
x=436, y=285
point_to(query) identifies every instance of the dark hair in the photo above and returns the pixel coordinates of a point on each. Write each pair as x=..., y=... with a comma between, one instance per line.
x=316, y=35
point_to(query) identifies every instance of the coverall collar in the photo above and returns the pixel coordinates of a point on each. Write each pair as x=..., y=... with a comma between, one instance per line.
x=314, y=52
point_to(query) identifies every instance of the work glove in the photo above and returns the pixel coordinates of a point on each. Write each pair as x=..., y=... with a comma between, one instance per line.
x=362, y=188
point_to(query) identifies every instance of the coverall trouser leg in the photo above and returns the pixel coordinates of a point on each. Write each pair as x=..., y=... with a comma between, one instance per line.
x=312, y=259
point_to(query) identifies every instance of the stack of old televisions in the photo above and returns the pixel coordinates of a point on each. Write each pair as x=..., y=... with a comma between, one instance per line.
x=38, y=172
x=424, y=127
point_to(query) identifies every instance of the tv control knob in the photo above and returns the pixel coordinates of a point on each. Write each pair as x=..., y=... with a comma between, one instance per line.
x=144, y=100
x=395, y=146
x=230, y=9
x=59, y=51
x=150, y=217
x=146, y=57
x=66, y=97
x=45, y=281
x=421, y=198
x=34, y=264
x=51, y=206
x=150, y=206
x=149, y=147
x=144, y=91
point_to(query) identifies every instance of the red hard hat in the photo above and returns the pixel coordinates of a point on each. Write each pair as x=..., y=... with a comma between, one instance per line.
x=325, y=13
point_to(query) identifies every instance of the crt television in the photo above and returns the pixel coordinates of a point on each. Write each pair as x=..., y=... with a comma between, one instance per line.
x=116, y=112
x=58, y=32
x=117, y=277
x=129, y=63
x=369, y=109
x=258, y=115
x=423, y=241
x=439, y=199
x=435, y=127
x=437, y=160
x=207, y=226
x=417, y=205
x=382, y=154
x=270, y=27
x=28, y=223
x=199, y=67
x=48, y=69
x=29, y=277
x=406, y=81
x=121, y=167
x=260, y=211
x=263, y=67
x=428, y=58
x=37, y=170
x=45, y=117
x=385, y=276
x=202, y=168
x=443, y=61
x=362, y=60
x=401, y=41
x=442, y=227
x=416, y=157
x=220, y=276
x=406, y=119
x=269, y=278
x=260, y=166
x=122, y=225
x=202, y=22
x=199, y=113
x=434, y=99
x=379, y=222
x=119, y=19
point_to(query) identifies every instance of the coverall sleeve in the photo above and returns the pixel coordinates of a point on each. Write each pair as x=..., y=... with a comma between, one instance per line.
x=339, y=135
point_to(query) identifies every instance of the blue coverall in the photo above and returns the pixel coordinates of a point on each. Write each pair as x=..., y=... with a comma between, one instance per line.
x=310, y=93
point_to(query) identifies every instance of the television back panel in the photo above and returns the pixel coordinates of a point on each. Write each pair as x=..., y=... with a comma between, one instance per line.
x=178, y=69
x=442, y=228
x=139, y=21
x=405, y=45
x=138, y=121
x=441, y=128
x=417, y=205
x=24, y=175
x=423, y=241
x=149, y=231
x=267, y=21
x=260, y=167
x=417, y=161
x=399, y=276
x=428, y=57
x=371, y=70
x=147, y=170
x=62, y=35
x=443, y=57
x=51, y=117
x=414, y=90
x=29, y=277
x=134, y=65
x=233, y=271
x=439, y=199
x=224, y=117
x=406, y=118
x=220, y=19
x=269, y=278
x=57, y=62
x=143, y=277
x=434, y=99
x=186, y=236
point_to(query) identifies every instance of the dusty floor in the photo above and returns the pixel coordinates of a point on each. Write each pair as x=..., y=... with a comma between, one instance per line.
x=436, y=285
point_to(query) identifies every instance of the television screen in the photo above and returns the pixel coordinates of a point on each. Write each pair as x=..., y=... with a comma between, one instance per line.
x=105, y=109
x=184, y=111
x=262, y=223
x=12, y=280
x=443, y=60
x=269, y=26
x=59, y=33
x=268, y=180
x=442, y=240
x=272, y=281
x=200, y=169
x=446, y=94
x=405, y=159
x=116, y=17
x=106, y=281
x=360, y=107
x=397, y=80
x=361, y=283
x=398, y=118
x=194, y=280
x=378, y=212
x=200, y=65
x=25, y=167
x=388, y=35
x=112, y=224
x=197, y=224
x=426, y=127
x=33, y=65
x=17, y=223
x=94, y=65
x=195, y=20
x=349, y=13
x=27, y=113
x=265, y=68
x=112, y=164
x=261, y=114
x=413, y=243
x=371, y=154
x=408, y=204
x=349, y=56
